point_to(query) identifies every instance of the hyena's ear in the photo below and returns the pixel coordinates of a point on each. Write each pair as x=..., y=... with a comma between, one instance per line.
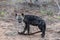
x=15, y=11
x=15, y=14
x=22, y=14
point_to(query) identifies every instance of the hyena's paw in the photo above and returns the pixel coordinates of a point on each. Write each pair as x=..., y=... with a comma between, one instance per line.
x=21, y=33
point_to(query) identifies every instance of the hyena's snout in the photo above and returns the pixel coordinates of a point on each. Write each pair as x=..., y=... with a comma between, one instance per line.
x=19, y=19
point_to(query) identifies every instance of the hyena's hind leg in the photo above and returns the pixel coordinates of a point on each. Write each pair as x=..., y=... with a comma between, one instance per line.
x=42, y=27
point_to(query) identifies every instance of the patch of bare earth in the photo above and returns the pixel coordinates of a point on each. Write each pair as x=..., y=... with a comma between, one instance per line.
x=9, y=31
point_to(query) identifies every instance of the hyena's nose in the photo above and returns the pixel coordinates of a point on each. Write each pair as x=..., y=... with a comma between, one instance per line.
x=19, y=22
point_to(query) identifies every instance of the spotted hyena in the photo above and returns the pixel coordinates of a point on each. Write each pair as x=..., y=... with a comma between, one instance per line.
x=32, y=20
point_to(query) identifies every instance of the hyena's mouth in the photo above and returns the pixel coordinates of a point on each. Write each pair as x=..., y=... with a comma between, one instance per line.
x=19, y=21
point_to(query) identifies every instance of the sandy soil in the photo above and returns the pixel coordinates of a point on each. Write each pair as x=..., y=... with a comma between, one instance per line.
x=9, y=31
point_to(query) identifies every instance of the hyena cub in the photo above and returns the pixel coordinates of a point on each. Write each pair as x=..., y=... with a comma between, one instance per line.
x=32, y=20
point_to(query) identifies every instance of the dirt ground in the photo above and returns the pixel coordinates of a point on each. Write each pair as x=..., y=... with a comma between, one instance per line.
x=8, y=31
x=9, y=28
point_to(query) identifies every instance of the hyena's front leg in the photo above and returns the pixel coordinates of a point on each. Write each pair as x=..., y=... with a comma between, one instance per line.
x=26, y=27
